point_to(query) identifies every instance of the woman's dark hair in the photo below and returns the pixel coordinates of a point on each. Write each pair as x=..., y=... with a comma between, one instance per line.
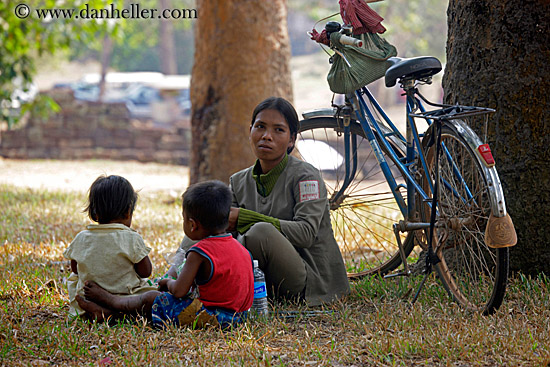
x=285, y=108
x=110, y=198
x=209, y=203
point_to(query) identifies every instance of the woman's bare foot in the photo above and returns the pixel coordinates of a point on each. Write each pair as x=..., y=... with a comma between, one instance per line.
x=97, y=312
x=95, y=293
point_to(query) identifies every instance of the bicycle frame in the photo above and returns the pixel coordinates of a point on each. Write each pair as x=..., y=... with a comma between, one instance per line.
x=414, y=154
x=370, y=126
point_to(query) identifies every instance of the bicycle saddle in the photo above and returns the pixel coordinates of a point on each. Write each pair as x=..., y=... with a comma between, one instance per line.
x=416, y=67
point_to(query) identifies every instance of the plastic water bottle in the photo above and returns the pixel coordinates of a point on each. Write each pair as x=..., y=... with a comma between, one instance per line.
x=259, y=305
x=176, y=259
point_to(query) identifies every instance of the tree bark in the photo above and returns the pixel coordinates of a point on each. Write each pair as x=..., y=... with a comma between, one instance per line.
x=242, y=55
x=106, y=53
x=497, y=56
x=167, y=55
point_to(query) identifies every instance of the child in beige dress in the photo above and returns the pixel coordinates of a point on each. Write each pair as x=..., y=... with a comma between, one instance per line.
x=110, y=253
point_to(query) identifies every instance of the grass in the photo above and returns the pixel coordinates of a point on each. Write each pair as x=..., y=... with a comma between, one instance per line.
x=374, y=326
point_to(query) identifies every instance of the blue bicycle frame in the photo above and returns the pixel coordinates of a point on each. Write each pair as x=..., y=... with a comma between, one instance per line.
x=413, y=154
x=369, y=125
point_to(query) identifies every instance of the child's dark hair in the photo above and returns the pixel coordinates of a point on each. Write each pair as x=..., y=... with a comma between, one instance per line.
x=209, y=203
x=110, y=198
x=285, y=108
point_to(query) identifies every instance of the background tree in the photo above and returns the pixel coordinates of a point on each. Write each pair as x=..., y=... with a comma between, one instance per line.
x=106, y=53
x=242, y=54
x=144, y=44
x=497, y=56
x=24, y=36
x=168, y=64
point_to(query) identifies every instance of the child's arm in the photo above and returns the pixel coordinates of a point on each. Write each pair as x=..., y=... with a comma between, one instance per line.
x=183, y=283
x=74, y=268
x=144, y=268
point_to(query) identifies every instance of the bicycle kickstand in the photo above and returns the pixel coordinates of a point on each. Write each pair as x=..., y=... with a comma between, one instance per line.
x=431, y=259
x=406, y=271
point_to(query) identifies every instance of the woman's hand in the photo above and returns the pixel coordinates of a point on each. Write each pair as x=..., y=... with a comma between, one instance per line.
x=233, y=219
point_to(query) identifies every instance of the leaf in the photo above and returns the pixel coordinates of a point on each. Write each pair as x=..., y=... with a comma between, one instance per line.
x=105, y=361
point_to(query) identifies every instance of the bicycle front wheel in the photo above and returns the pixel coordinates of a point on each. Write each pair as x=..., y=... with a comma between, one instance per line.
x=474, y=274
x=363, y=216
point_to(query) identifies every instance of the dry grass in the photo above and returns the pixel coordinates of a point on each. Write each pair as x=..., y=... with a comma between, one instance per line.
x=373, y=327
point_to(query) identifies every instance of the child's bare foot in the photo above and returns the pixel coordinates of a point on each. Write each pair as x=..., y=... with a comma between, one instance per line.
x=95, y=293
x=97, y=312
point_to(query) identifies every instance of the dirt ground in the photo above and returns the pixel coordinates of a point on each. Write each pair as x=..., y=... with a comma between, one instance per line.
x=79, y=175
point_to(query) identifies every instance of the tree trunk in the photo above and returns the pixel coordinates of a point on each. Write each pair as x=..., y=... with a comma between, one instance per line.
x=167, y=55
x=106, y=53
x=497, y=56
x=242, y=55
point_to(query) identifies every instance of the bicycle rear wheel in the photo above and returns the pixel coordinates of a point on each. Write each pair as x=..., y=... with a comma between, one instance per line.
x=362, y=218
x=474, y=274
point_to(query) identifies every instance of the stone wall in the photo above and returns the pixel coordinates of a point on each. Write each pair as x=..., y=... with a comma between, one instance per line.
x=89, y=130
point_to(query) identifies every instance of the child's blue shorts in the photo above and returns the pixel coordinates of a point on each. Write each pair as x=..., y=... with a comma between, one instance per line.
x=167, y=308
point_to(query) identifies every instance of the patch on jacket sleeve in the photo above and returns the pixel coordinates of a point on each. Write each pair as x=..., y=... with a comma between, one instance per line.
x=309, y=190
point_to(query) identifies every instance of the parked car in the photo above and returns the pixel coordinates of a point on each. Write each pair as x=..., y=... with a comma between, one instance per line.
x=140, y=92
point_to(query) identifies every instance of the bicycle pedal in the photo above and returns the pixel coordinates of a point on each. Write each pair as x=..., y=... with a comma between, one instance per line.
x=400, y=274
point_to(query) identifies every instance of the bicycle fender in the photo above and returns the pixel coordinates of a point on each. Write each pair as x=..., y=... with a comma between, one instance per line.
x=332, y=112
x=321, y=112
x=498, y=205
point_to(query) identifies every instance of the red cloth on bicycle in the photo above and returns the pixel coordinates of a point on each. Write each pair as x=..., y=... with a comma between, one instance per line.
x=320, y=37
x=361, y=17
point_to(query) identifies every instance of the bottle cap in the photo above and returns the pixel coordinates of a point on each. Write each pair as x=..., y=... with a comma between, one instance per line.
x=255, y=263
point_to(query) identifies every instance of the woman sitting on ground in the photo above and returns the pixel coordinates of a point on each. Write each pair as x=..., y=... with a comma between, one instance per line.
x=281, y=213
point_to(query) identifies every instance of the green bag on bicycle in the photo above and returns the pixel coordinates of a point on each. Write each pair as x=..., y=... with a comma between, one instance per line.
x=366, y=64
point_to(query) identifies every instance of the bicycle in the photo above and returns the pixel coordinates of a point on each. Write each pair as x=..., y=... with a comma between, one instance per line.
x=383, y=185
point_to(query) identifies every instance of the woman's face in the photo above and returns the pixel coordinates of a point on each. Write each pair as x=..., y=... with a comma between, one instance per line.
x=270, y=138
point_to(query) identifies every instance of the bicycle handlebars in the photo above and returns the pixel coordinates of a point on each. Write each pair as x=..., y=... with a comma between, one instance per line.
x=344, y=39
x=347, y=40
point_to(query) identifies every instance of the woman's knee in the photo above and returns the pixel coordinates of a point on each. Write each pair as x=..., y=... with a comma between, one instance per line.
x=260, y=235
x=260, y=238
x=261, y=230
